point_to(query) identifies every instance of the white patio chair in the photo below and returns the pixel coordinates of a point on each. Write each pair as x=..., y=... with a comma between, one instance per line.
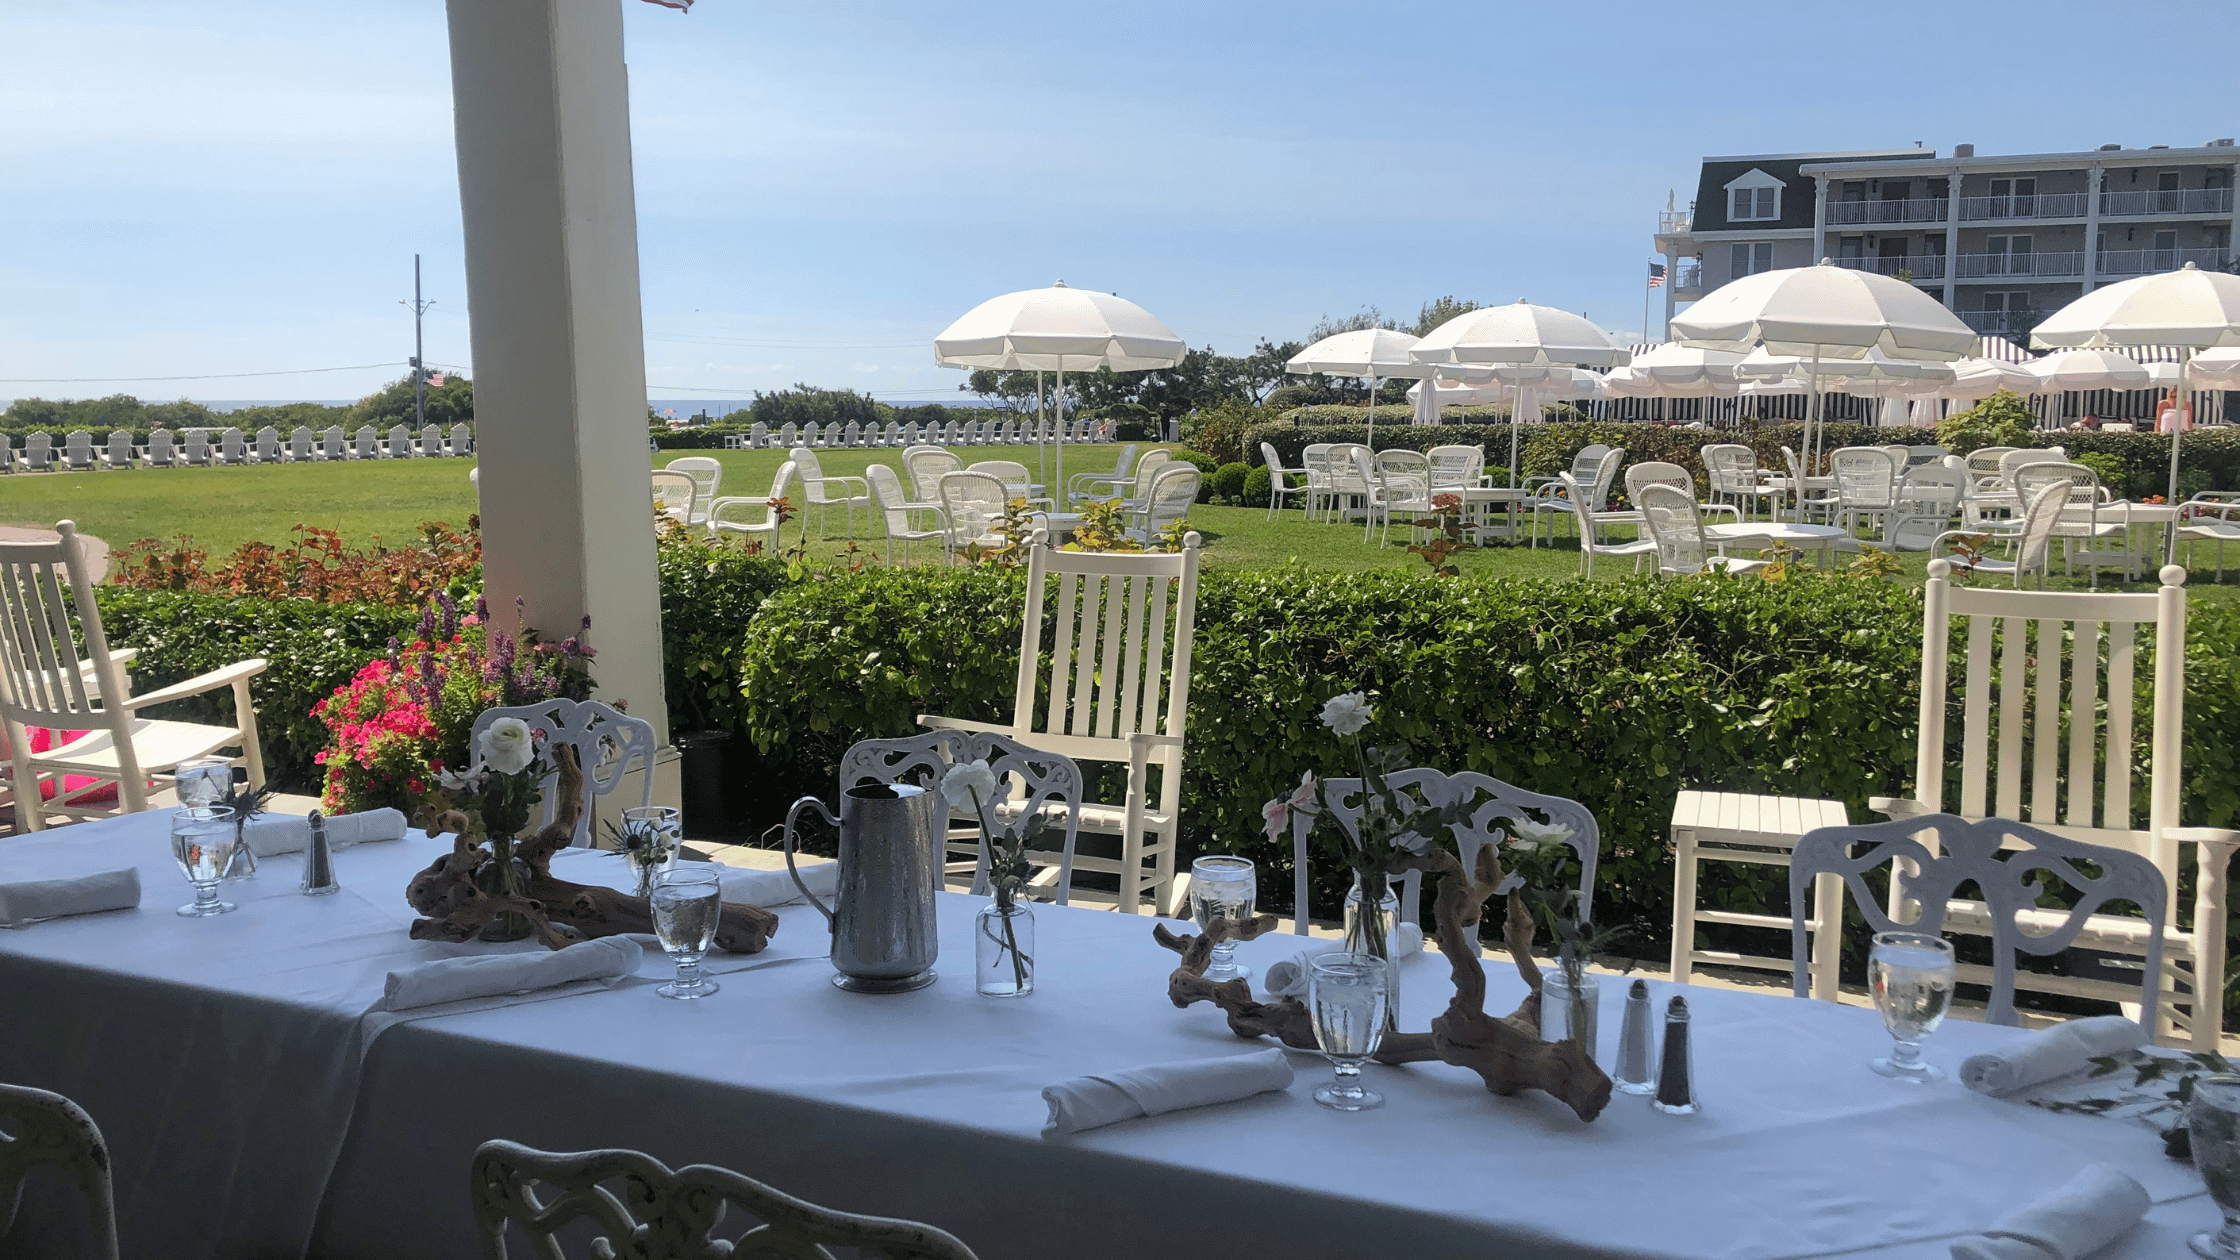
x=38, y=452
x=1398, y=481
x=2208, y=517
x=1866, y=484
x=1583, y=467
x=924, y=466
x=1134, y=490
x=77, y=451
x=2091, y=527
x=1498, y=802
x=43, y=684
x=233, y=448
x=1595, y=477
x=43, y=1130
x=119, y=452
x=368, y=444
x=1016, y=479
x=604, y=741
x=1028, y=781
x=1814, y=496
x=2032, y=541
x=1927, y=499
x=972, y=511
x=1638, y=548
x=1095, y=485
x=462, y=441
x=332, y=444
x=895, y=507
x=707, y=477
x=818, y=489
x=2007, y=863
x=674, y=496
x=1315, y=460
x=655, y=1213
x=1280, y=479
x=2052, y=744
x=431, y=442
x=724, y=515
x=301, y=445
x=400, y=443
x=1457, y=467
x=1173, y=490
x=1674, y=522
x=1348, y=492
x=158, y=453
x=1125, y=625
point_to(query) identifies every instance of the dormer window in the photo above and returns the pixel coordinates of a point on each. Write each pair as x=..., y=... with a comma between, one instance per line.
x=1754, y=197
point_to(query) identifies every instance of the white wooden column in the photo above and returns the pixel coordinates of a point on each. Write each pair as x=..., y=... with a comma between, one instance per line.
x=543, y=124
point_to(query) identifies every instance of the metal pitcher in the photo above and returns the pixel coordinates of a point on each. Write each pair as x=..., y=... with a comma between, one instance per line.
x=883, y=934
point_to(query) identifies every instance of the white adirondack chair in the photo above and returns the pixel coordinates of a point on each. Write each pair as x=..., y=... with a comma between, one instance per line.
x=157, y=453
x=268, y=445
x=233, y=448
x=2075, y=726
x=894, y=435
x=368, y=444
x=431, y=442
x=198, y=453
x=1125, y=625
x=811, y=435
x=824, y=491
x=301, y=444
x=332, y=444
x=400, y=442
x=119, y=452
x=77, y=451
x=852, y=436
x=758, y=435
x=61, y=677
x=605, y=743
x=7, y=454
x=462, y=441
x=786, y=435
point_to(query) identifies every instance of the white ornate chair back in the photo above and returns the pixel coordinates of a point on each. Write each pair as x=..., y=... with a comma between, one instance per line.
x=44, y=1130
x=1028, y=781
x=605, y=741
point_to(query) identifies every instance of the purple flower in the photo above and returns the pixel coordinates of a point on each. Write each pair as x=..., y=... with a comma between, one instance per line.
x=450, y=614
x=428, y=622
x=481, y=608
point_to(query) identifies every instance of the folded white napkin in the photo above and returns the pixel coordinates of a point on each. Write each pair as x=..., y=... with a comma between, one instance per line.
x=2095, y=1207
x=457, y=979
x=2050, y=1053
x=1086, y=1102
x=54, y=898
x=1288, y=978
x=270, y=835
x=770, y=889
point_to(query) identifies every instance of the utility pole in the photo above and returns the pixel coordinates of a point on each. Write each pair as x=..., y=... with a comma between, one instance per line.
x=419, y=369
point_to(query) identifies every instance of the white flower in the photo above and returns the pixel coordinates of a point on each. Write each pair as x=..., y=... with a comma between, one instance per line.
x=1348, y=713
x=1533, y=837
x=969, y=785
x=507, y=747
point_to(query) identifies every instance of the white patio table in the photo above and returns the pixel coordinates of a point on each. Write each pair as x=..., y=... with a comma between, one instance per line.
x=1822, y=538
x=222, y=1057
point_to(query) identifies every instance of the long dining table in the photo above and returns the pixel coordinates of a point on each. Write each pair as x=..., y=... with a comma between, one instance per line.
x=259, y=1105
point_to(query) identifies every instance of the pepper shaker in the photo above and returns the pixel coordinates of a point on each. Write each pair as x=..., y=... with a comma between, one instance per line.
x=318, y=861
x=1636, y=1071
x=1676, y=1090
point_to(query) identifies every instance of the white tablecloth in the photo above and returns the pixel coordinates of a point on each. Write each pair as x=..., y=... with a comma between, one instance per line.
x=221, y=1058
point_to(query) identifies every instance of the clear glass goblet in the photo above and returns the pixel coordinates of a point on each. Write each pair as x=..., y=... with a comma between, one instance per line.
x=1347, y=994
x=203, y=840
x=2213, y=1126
x=1223, y=888
x=687, y=902
x=1912, y=977
x=202, y=781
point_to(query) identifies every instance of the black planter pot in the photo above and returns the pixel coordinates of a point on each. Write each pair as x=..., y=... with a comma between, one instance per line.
x=710, y=783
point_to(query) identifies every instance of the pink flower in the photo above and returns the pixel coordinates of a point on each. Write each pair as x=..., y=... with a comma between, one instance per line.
x=1277, y=813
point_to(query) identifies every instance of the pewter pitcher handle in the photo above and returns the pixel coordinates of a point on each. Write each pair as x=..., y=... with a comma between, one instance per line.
x=829, y=817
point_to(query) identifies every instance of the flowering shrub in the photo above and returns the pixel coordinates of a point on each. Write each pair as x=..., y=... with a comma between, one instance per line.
x=316, y=566
x=407, y=715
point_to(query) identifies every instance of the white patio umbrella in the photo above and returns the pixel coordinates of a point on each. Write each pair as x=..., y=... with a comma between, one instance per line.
x=1376, y=353
x=1054, y=330
x=2187, y=308
x=2072, y=371
x=1874, y=375
x=1510, y=341
x=1821, y=314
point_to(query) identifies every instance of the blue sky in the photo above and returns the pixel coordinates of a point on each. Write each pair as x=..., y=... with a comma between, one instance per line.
x=239, y=185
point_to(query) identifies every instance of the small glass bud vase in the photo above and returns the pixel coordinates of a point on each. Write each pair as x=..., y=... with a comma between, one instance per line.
x=1003, y=940
x=1370, y=931
x=1568, y=1013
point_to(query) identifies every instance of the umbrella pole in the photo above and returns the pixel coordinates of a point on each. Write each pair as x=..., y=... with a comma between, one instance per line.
x=2177, y=433
x=1372, y=442
x=1041, y=464
x=1058, y=402
x=1516, y=417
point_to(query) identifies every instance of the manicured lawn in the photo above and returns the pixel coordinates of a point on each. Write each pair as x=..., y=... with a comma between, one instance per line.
x=224, y=507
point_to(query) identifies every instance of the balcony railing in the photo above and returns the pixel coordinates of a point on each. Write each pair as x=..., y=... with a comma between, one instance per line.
x=1922, y=266
x=2053, y=263
x=1672, y=222
x=1916, y=210
x=2139, y=262
x=1689, y=279
x=2201, y=201
x=2000, y=323
x=2030, y=206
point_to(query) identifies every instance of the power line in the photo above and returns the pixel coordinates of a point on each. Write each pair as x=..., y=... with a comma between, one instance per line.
x=213, y=376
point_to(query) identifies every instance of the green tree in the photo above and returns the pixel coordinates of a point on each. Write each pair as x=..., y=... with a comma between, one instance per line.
x=805, y=404
x=1264, y=370
x=1439, y=312
x=2003, y=419
x=449, y=403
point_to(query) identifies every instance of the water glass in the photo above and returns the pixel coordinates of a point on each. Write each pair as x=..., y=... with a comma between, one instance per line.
x=1912, y=977
x=1347, y=994
x=687, y=902
x=1222, y=888
x=202, y=781
x=2213, y=1126
x=203, y=841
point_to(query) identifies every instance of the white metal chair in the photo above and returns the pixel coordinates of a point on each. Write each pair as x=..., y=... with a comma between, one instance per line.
x=1498, y=802
x=656, y=1213
x=77, y=451
x=462, y=441
x=1173, y=490
x=1279, y=479
x=1927, y=499
x=724, y=518
x=2047, y=701
x=1674, y=522
x=1028, y=781
x=268, y=446
x=605, y=743
x=43, y=684
x=118, y=453
x=301, y=445
x=2032, y=541
x=817, y=489
x=1091, y=485
x=2208, y=518
x=895, y=508
x=972, y=511
x=1124, y=627
x=233, y=448
x=1553, y=497
x=368, y=444
x=674, y=496
x=2006, y=862
x=1866, y=484
x=44, y=1130
x=924, y=465
x=158, y=452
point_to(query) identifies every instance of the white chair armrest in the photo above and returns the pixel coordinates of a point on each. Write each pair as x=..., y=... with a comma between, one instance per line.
x=1728, y=508
x=1898, y=806
x=1147, y=740
x=199, y=684
x=2224, y=836
x=962, y=724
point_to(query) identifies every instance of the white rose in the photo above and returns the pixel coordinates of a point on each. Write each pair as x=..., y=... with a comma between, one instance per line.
x=969, y=785
x=1533, y=837
x=1348, y=713
x=507, y=746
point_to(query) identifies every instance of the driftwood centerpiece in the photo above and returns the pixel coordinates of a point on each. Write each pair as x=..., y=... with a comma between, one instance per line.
x=1506, y=1052
x=560, y=913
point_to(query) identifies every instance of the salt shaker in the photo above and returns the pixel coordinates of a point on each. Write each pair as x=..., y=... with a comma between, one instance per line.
x=1636, y=1072
x=1676, y=1090
x=318, y=861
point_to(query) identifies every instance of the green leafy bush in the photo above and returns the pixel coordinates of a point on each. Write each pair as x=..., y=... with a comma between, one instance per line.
x=2003, y=419
x=1259, y=483
x=1228, y=482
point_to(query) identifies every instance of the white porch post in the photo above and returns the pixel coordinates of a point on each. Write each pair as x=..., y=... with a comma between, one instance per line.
x=542, y=115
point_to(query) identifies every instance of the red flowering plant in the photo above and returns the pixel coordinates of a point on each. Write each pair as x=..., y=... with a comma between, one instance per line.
x=405, y=717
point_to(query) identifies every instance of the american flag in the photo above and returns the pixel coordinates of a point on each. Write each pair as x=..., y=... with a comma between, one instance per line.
x=1656, y=275
x=436, y=380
